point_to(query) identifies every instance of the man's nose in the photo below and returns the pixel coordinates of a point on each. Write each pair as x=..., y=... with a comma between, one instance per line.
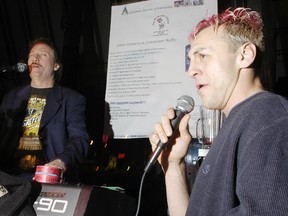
x=193, y=70
x=35, y=58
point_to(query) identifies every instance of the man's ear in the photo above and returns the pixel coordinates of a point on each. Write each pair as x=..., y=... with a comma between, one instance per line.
x=56, y=67
x=248, y=54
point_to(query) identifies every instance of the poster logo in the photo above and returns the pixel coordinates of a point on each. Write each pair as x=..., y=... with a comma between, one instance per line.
x=125, y=11
x=161, y=22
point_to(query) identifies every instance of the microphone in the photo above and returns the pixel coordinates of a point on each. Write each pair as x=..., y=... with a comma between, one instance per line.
x=19, y=67
x=185, y=104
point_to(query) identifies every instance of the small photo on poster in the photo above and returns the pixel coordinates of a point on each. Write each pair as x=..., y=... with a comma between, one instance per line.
x=187, y=59
x=198, y=2
x=181, y=3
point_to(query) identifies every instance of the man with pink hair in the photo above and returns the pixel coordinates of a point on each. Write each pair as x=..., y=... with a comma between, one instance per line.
x=246, y=169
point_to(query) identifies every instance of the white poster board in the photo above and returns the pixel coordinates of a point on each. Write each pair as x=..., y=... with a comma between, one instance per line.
x=146, y=66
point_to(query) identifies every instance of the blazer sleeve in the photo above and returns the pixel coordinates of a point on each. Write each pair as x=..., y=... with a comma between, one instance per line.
x=77, y=145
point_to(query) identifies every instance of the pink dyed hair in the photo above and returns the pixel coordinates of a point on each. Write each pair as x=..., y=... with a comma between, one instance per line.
x=241, y=25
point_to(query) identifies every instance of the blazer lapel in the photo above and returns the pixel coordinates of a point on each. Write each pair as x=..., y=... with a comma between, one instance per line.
x=20, y=103
x=53, y=103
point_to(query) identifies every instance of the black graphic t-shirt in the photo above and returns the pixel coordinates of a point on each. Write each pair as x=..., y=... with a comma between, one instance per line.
x=30, y=153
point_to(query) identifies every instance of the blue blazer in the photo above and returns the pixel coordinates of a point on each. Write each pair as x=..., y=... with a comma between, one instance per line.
x=62, y=129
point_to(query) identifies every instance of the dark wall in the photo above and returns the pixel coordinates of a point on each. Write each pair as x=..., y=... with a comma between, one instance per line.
x=80, y=29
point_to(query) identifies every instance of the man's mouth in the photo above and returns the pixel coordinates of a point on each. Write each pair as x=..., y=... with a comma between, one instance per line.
x=34, y=65
x=199, y=86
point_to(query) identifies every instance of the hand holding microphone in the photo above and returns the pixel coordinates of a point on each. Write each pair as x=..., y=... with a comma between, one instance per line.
x=172, y=133
x=166, y=133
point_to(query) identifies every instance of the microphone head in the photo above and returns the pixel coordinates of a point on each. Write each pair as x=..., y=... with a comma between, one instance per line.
x=185, y=103
x=21, y=67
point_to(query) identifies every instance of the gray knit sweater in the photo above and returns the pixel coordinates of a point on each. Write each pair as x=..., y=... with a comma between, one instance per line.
x=246, y=170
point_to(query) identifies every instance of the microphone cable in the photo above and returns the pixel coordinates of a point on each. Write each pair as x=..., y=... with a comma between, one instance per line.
x=140, y=193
